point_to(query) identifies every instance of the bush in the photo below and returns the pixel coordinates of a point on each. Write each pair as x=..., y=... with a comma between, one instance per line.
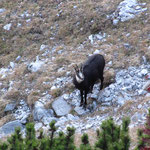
x=111, y=137
x=144, y=136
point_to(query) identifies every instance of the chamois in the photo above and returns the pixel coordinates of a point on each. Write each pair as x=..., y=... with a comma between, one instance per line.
x=86, y=76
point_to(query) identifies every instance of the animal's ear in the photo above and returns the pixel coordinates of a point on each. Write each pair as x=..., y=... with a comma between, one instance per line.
x=81, y=67
x=76, y=68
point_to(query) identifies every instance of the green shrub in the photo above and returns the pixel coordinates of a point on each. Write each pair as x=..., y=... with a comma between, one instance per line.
x=110, y=137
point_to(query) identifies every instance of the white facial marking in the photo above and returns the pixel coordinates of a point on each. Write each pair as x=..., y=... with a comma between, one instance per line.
x=78, y=79
x=81, y=75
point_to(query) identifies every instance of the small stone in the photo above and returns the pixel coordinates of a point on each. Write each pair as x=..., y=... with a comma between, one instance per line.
x=139, y=106
x=53, y=88
x=66, y=96
x=71, y=117
x=80, y=110
x=10, y=107
x=18, y=58
x=115, y=21
x=43, y=47
x=2, y=10
x=144, y=72
x=35, y=66
x=88, y=126
x=12, y=65
x=37, y=126
x=7, y=27
x=91, y=39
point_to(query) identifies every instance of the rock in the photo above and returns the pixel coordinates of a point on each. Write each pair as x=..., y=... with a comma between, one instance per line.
x=61, y=121
x=37, y=126
x=66, y=96
x=43, y=47
x=2, y=10
x=147, y=76
x=24, y=119
x=10, y=107
x=7, y=27
x=18, y=58
x=127, y=46
x=139, y=106
x=53, y=88
x=144, y=59
x=127, y=10
x=144, y=72
x=91, y=39
x=80, y=110
x=88, y=126
x=48, y=120
x=9, y=128
x=12, y=65
x=35, y=66
x=71, y=117
x=40, y=112
x=61, y=107
x=115, y=21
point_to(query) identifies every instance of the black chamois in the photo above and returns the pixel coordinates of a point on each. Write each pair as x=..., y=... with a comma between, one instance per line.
x=86, y=76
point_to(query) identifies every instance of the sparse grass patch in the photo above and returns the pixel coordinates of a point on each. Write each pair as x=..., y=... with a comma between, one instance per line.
x=42, y=84
x=61, y=61
x=19, y=72
x=56, y=92
x=109, y=77
x=6, y=119
x=13, y=94
x=3, y=104
x=32, y=98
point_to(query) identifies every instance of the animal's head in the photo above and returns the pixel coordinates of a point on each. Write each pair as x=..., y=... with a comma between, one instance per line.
x=78, y=73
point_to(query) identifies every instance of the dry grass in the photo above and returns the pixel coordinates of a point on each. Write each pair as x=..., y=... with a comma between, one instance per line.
x=56, y=92
x=6, y=119
x=3, y=104
x=13, y=94
x=32, y=98
x=66, y=26
x=91, y=135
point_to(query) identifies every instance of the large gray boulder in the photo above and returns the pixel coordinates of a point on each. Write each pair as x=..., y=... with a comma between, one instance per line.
x=9, y=128
x=61, y=107
x=39, y=112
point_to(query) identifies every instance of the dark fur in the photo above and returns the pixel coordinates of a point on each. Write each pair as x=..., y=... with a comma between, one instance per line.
x=92, y=70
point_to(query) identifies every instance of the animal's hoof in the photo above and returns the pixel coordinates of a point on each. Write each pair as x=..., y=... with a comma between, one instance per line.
x=81, y=104
x=84, y=107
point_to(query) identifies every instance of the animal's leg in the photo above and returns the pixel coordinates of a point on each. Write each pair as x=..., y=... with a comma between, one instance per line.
x=102, y=79
x=85, y=101
x=91, y=88
x=81, y=94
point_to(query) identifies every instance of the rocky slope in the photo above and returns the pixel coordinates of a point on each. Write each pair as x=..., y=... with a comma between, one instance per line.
x=36, y=65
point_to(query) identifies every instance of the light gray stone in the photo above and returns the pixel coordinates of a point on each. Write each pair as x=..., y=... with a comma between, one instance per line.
x=80, y=110
x=9, y=128
x=61, y=107
x=40, y=112
x=18, y=58
x=127, y=10
x=2, y=10
x=10, y=107
x=139, y=106
x=47, y=120
x=7, y=27
x=37, y=126
x=35, y=66
x=12, y=65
